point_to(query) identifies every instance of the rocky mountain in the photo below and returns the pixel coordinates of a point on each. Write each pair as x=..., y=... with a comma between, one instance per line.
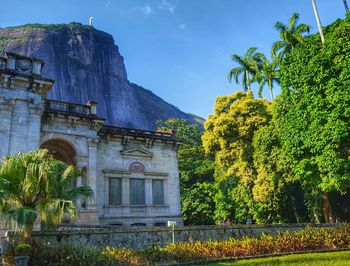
x=86, y=64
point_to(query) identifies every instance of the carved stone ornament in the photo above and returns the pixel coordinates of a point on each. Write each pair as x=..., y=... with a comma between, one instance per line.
x=37, y=106
x=137, y=167
x=5, y=103
x=24, y=66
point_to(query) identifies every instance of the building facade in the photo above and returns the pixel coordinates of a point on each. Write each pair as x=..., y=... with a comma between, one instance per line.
x=133, y=173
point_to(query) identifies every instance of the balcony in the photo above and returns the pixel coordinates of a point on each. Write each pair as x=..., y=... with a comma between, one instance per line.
x=71, y=109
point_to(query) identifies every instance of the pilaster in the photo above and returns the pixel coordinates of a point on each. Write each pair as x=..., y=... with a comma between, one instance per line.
x=89, y=215
x=92, y=170
x=36, y=110
x=6, y=106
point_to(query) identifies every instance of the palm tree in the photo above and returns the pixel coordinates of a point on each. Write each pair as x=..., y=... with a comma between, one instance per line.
x=269, y=74
x=346, y=6
x=290, y=36
x=318, y=21
x=35, y=185
x=249, y=65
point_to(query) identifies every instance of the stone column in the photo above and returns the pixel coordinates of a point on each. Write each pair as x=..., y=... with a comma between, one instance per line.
x=35, y=114
x=6, y=106
x=92, y=171
x=90, y=215
x=81, y=163
x=148, y=192
x=125, y=191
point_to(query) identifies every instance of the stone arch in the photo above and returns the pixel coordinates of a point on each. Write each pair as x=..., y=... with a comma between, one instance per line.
x=137, y=167
x=61, y=150
x=79, y=149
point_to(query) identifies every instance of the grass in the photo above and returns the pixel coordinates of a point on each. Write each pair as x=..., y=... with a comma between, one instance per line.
x=340, y=258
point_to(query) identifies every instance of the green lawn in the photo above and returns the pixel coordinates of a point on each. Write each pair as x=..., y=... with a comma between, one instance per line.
x=318, y=259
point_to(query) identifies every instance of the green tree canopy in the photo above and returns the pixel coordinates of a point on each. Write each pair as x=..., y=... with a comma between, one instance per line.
x=268, y=75
x=290, y=35
x=35, y=184
x=229, y=132
x=196, y=173
x=248, y=66
x=188, y=134
x=313, y=112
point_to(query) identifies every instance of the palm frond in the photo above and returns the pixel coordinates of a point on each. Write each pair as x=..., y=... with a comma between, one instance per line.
x=238, y=59
x=301, y=30
x=234, y=73
x=36, y=183
x=276, y=47
x=21, y=217
x=250, y=52
x=279, y=26
x=293, y=21
x=79, y=192
x=261, y=87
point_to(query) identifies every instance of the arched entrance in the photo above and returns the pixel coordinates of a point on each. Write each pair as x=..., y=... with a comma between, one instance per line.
x=61, y=150
x=65, y=152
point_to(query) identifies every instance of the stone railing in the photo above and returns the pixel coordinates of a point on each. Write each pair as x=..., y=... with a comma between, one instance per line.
x=123, y=131
x=69, y=108
x=21, y=64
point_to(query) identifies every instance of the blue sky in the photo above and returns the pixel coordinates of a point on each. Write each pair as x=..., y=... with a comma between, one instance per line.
x=179, y=49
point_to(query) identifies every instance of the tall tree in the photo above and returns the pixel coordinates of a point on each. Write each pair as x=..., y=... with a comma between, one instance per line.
x=196, y=173
x=35, y=184
x=318, y=20
x=229, y=134
x=249, y=65
x=346, y=6
x=313, y=114
x=290, y=36
x=268, y=75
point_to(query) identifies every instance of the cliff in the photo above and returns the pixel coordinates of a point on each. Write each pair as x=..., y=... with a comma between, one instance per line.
x=86, y=64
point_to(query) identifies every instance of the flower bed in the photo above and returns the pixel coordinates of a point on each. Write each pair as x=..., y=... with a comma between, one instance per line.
x=303, y=240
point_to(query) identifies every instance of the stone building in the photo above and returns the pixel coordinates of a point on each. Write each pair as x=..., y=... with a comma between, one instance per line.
x=134, y=173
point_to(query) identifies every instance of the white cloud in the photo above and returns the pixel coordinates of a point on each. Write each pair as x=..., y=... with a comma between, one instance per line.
x=182, y=26
x=167, y=6
x=145, y=10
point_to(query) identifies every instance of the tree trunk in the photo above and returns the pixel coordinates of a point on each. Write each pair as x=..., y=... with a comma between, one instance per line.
x=346, y=6
x=271, y=92
x=248, y=80
x=327, y=209
x=319, y=25
x=27, y=233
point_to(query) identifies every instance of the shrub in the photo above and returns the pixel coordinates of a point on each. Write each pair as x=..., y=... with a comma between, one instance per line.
x=302, y=240
x=69, y=255
x=22, y=249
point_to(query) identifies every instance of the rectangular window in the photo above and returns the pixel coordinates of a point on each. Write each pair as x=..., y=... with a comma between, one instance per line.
x=137, y=191
x=115, y=191
x=158, y=192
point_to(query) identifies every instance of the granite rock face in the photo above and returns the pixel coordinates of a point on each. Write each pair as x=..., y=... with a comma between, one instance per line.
x=86, y=64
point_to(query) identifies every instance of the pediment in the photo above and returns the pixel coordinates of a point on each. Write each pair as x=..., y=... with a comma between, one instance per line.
x=137, y=152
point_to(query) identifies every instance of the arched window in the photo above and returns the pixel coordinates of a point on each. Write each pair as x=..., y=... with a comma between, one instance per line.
x=137, y=167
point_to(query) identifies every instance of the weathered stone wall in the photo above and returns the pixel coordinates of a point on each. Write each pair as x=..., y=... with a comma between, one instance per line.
x=159, y=161
x=140, y=238
x=75, y=135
